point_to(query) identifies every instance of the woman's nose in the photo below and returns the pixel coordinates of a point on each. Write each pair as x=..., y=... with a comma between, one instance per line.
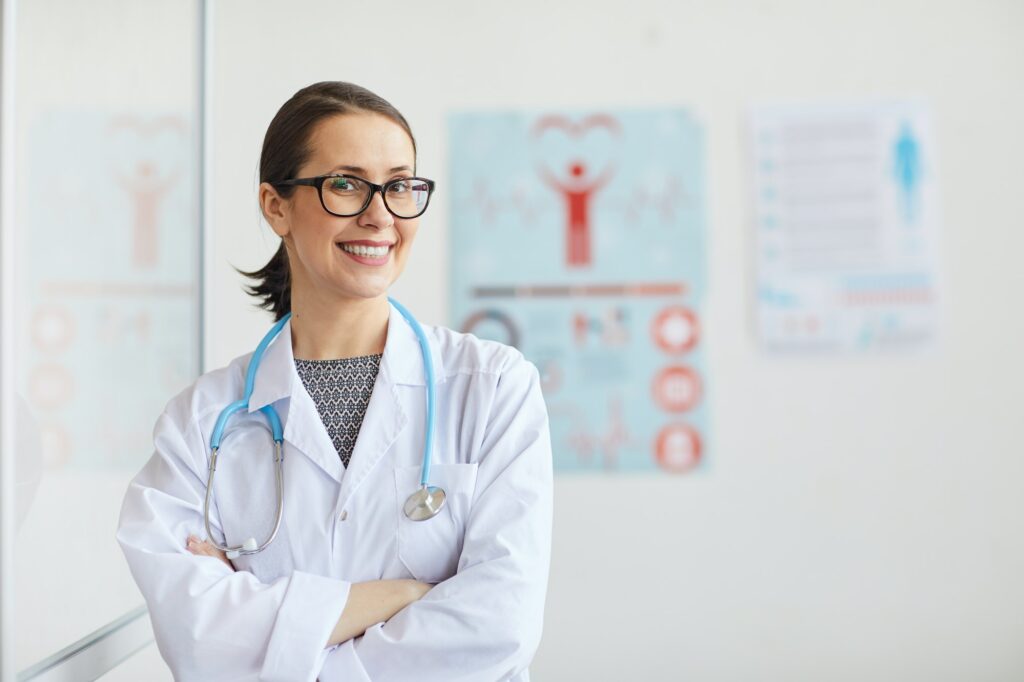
x=377, y=214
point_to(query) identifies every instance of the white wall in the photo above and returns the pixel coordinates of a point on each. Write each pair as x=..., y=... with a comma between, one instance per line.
x=862, y=517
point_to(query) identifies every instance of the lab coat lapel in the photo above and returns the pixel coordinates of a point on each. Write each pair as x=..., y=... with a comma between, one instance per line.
x=385, y=418
x=277, y=382
x=305, y=430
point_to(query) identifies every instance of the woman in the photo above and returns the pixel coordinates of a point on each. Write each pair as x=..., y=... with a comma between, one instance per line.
x=350, y=588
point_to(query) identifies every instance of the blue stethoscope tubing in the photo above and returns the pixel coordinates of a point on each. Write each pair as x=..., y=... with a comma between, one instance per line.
x=423, y=504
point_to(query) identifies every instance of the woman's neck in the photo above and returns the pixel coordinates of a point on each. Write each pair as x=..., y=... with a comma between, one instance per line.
x=323, y=330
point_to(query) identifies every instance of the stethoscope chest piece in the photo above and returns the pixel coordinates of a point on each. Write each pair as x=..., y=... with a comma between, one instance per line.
x=425, y=503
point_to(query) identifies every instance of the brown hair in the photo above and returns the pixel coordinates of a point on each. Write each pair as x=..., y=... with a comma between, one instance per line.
x=286, y=149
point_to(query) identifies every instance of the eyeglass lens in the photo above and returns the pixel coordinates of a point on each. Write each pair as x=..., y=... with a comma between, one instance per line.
x=406, y=197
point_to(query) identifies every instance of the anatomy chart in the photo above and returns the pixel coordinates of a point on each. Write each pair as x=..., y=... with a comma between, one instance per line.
x=845, y=213
x=110, y=269
x=579, y=238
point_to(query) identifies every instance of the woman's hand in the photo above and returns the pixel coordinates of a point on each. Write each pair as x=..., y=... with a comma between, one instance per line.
x=373, y=602
x=204, y=548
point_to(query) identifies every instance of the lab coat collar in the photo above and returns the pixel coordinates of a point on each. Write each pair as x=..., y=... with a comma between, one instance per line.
x=402, y=362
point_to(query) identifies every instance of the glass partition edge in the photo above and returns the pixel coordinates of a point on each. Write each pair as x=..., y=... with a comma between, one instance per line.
x=205, y=127
x=7, y=14
x=97, y=653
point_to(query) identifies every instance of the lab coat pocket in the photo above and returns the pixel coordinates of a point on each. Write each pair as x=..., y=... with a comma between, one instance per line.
x=430, y=549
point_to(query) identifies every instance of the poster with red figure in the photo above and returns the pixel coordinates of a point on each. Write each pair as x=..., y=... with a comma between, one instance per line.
x=578, y=237
x=110, y=277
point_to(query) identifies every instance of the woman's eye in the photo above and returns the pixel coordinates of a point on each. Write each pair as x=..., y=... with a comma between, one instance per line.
x=342, y=185
x=399, y=187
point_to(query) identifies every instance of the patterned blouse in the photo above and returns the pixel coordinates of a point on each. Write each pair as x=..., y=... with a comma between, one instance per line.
x=341, y=392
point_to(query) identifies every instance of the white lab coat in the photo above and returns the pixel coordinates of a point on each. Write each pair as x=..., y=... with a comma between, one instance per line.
x=488, y=550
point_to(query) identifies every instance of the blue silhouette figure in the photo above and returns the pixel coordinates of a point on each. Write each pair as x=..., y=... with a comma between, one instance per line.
x=907, y=169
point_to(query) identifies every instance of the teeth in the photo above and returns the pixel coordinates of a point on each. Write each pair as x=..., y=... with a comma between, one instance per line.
x=366, y=251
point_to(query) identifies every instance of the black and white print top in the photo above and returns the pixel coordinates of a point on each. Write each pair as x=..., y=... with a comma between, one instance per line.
x=341, y=392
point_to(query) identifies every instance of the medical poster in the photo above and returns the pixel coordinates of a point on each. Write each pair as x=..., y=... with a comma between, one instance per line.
x=109, y=273
x=845, y=209
x=578, y=237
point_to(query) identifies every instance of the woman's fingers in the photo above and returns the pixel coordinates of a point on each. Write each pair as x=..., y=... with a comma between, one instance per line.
x=204, y=548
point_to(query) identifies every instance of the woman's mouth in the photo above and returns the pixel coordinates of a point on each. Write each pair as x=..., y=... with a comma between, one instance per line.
x=367, y=254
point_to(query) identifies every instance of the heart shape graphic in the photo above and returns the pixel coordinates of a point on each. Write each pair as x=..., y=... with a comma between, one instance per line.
x=575, y=153
x=149, y=151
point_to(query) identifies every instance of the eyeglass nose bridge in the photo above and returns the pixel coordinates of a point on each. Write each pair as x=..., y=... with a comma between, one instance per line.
x=376, y=189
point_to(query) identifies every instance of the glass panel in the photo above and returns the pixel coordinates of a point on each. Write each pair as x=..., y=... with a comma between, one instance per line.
x=107, y=250
x=145, y=665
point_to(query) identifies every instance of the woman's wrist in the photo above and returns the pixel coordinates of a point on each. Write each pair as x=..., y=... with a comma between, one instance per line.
x=373, y=602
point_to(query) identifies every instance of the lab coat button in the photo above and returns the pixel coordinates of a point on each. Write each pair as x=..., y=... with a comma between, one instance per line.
x=343, y=515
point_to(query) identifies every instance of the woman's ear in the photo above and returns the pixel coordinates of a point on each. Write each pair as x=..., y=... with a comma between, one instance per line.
x=275, y=209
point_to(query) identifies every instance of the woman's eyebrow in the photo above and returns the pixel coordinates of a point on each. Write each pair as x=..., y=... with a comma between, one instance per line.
x=362, y=171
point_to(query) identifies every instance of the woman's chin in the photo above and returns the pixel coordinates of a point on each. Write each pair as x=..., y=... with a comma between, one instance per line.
x=365, y=290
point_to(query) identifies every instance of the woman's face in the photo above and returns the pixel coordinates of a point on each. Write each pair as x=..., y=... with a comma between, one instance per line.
x=320, y=245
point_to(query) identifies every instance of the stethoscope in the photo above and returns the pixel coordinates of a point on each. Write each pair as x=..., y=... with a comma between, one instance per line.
x=423, y=504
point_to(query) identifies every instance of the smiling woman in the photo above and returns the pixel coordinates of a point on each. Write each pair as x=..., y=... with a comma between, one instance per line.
x=314, y=193
x=352, y=583
x=324, y=268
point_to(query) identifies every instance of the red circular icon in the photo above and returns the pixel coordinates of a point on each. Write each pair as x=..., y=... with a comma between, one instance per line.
x=676, y=389
x=678, y=448
x=675, y=329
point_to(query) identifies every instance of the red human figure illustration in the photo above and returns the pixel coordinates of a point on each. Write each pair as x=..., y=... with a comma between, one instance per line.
x=146, y=184
x=577, y=193
x=579, y=187
x=147, y=189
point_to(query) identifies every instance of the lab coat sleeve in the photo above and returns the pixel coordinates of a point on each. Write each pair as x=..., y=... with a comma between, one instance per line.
x=484, y=623
x=210, y=622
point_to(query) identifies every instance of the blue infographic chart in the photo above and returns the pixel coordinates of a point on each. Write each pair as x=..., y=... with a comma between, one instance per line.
x=846, y=214
x=578, y=237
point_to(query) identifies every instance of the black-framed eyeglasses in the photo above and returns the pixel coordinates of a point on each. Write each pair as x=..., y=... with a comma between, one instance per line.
x=349, y=195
